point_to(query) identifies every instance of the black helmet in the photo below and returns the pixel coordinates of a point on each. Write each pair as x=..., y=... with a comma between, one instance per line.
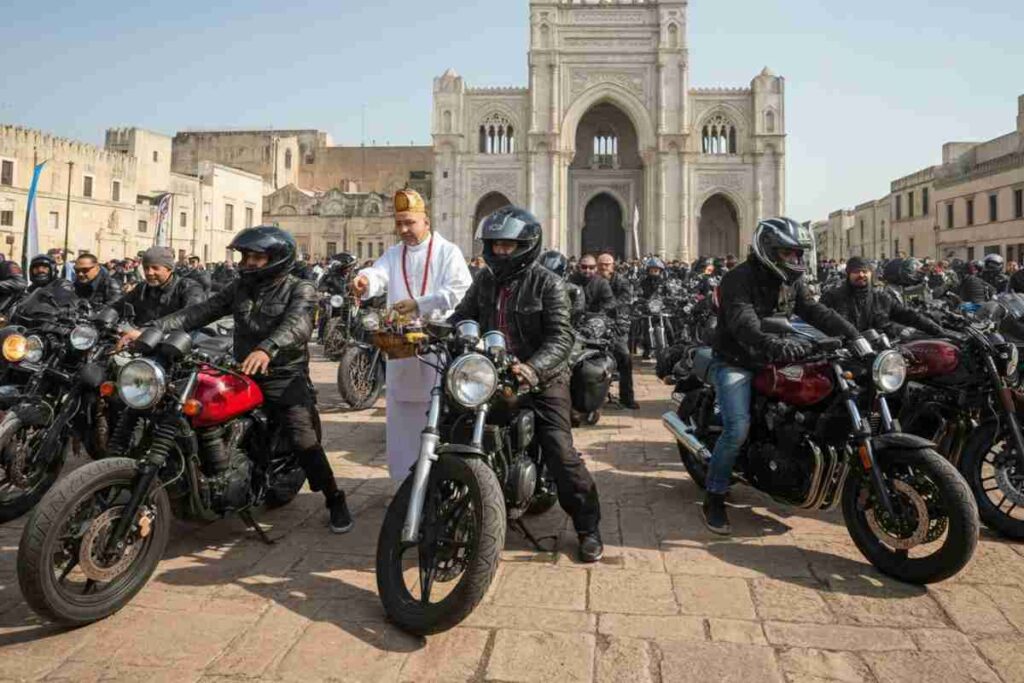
x=993, y=263
x=773, y=234
x=42, y=278
x=654, y=262
x=903, y=272
x=556, y=262
x=513, y=224
x=272, y=241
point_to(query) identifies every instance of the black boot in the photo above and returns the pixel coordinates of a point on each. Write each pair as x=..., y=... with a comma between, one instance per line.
x=715, y=518
x=591, y=548
x=341, y=519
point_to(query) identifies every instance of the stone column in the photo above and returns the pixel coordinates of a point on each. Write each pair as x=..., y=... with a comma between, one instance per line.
x=780, y=184
x=552, y=226
x=659, y=238
x=553, y=125
x=661, y=97
x=686, y=241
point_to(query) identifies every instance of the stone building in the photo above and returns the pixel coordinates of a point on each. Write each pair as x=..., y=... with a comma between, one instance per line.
x=114, y=195
x=609, y=125
x=327, y=223
x=868, y=235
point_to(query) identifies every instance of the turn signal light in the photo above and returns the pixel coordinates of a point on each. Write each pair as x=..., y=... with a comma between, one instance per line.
x=15, y=347
x=108, y=389
x=192, y=407
x=848, y=376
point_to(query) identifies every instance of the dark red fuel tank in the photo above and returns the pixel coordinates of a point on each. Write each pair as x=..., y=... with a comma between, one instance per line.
x=799, y=385
x=224, y=397
x=931, y=358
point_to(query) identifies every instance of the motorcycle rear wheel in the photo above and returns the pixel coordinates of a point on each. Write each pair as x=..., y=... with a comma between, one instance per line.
x=16, y=499
x=82, y=502
x=989, y=467
x=457, y=488
x=359, y=385
x=918, y=480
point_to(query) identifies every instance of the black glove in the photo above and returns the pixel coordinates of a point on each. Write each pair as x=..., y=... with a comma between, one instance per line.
x=788, y=350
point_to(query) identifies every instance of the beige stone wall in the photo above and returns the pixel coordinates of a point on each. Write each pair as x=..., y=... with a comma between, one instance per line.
x=361, y=236
x=839, y=225
x=1005, y=233
x=913, y=214
x=152, y=152
x=275, y=156
x=373, y=169
x=223, y=187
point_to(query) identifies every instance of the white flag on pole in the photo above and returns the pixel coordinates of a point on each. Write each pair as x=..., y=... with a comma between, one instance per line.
x=163, y=209
x=636, y=231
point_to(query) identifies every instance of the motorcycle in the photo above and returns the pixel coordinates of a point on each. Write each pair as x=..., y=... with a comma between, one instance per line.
x=477, y=470
x=961, y=396
x=50, y=401
x=193, y=442
x=822, y=437
x=362, y=366
x=593, y=369
x=335, y=322
x=653, y=325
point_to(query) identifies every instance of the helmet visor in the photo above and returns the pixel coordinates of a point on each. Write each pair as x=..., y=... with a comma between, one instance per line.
x=501, y=228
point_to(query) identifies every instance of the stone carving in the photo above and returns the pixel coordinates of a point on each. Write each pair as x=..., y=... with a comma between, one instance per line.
x=591, y=43
x=581, y=80
x=603, y=16
x=504, y=181
x=729, y=181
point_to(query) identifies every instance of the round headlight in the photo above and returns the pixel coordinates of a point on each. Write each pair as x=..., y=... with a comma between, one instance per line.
x=471, y=380
x=655, y=306
x=141, y=383
x=34, y=349
x=337, y=301
x=889, y=371
x=84, y=337
x=15, y=346
x=371, y=322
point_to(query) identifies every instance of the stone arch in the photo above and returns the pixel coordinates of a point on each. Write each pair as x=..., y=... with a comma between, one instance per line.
x=447, y=121
x=734, y=116
x=719, y=230
x=603, y=228
x=618, y=96
x=488, y=203
x=287, y=210
x=771, y=120
x=673, y=36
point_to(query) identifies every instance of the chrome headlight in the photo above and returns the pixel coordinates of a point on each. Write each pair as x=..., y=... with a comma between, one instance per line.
x=889, y=371
x=468, y=332
x=371, y=322
x=655, y=306
x=35, y=349
x=494, y=343
x=141, y=383
x=471, y=380
x=84, y=337
x=337, y=301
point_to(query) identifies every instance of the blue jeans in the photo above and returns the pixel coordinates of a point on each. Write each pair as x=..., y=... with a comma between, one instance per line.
x=732, y=388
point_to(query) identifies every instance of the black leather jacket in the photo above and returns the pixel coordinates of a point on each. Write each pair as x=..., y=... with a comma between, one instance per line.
x=333, y=283
x=104, y=290
x=751, y=292
x=975, y=290
x=598, y=294
x=577, y=300
x=998, y=280
x=12, y=284
x=876, y=309
x=651, y=286
x=277, y=319
x=150, y=303
x=1017, y=282
x=201, y=277
x=540, y=330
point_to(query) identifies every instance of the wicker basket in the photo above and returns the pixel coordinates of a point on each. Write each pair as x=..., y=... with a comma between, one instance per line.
x=397, y=346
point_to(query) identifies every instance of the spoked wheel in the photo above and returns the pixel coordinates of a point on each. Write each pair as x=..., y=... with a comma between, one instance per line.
x=431, y=586
x=334, y=338
x=935, y=529
x=990, y=466
x=66, y=569
x=360, y=377
x=22, y=482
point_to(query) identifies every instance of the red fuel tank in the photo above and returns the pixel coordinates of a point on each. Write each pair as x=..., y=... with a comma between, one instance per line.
x=931, y=358
x=224, y=397
x=798, y=385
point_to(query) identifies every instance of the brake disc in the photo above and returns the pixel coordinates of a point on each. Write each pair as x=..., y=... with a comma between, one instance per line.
x=17, y=473
x=94, y=542
x=1011, y=484
x=921, y=531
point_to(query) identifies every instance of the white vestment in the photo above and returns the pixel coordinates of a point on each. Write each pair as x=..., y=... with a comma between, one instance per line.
x=409, y=381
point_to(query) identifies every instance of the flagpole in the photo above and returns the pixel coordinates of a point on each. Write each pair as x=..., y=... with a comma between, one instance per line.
x=170, y=223
x=67, y=213
x=28, y=216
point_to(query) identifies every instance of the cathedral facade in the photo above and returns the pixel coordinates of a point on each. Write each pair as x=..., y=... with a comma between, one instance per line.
x=609, y=146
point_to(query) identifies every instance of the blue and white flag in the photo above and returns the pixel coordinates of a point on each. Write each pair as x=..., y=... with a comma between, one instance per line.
x=163, y=209
x=30, y=243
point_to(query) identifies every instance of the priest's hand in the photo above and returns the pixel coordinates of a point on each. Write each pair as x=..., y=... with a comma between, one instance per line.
x=256, y=363
x=360, y=285
x=407, y=307
x=127, y=338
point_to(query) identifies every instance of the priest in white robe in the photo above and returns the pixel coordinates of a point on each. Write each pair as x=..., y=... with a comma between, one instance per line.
x=422, y=274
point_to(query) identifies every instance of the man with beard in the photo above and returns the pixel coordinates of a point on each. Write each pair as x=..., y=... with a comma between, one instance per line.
x=94, y=284
x=163, y=292
x=273, y=314
x=600, y=299
x=422, y=275
x=528, y=303
x=870, y=308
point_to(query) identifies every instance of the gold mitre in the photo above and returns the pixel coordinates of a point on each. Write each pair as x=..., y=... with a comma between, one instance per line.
x=409, y=201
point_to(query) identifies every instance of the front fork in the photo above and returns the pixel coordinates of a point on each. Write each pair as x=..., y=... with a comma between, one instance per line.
x=429, y=439
x=862, y=432
x=1006, y=401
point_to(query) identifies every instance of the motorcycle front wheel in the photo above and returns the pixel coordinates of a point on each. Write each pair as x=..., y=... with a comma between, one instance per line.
x=360, y=379
x=935, y=530
x=23, y=482
x=64, y=569
x=334, y=338
x=432, y=585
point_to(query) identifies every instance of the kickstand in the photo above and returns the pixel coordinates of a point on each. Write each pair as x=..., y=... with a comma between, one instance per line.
x=517, y=525
x=251, y=522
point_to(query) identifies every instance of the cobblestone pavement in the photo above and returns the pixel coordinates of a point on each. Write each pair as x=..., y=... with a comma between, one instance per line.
x=788, y=598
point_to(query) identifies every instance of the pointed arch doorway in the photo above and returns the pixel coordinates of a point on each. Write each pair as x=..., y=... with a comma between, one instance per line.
x=602, y=226
x=719, y=233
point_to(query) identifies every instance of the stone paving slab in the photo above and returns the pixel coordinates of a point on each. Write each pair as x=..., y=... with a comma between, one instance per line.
x=788, y=598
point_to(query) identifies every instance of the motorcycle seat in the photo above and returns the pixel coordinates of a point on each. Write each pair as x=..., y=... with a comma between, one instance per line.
x=215, y=345
x=702, y=359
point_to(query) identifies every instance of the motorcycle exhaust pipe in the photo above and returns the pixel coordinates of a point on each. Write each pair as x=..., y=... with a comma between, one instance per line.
x=684, y=435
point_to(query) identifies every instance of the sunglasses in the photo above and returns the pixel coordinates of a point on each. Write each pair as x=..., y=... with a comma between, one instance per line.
x=84, y=270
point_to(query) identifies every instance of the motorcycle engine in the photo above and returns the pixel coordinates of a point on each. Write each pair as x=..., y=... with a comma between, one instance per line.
x=783, y=468
x=520, y=485
x=227, y=468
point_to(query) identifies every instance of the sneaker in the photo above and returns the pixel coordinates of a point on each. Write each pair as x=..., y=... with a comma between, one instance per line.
x=341, y=519
x=715, y=518
x=591, y=548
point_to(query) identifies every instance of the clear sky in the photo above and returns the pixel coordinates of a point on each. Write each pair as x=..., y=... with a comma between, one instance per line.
x=873, y=87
